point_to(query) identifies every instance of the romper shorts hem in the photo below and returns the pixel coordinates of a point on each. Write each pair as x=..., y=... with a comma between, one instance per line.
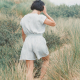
x=35, y=58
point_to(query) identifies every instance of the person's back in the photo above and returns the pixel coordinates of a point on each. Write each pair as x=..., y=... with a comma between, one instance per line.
x=33, y=23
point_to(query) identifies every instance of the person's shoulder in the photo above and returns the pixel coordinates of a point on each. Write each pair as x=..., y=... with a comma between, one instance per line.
x=42, y=16
x=26, y=15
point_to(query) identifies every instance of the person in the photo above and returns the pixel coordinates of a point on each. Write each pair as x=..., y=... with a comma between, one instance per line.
x=34, y=46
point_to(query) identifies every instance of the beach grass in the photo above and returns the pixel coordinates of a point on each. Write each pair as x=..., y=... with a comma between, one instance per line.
x=63, y=42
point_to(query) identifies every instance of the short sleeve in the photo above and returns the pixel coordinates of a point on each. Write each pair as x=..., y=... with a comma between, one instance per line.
x=42, y=18
x=21, y=22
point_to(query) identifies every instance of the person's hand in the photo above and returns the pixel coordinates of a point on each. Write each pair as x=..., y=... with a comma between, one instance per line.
x=44, y=11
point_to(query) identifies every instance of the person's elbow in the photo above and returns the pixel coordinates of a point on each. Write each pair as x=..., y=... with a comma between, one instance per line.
x=53, y=24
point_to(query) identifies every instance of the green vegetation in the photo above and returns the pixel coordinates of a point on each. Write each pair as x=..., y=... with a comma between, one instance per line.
x=65, y=63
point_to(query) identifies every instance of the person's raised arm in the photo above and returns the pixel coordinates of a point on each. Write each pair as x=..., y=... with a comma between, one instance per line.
x=23, y=35
x=49, y=21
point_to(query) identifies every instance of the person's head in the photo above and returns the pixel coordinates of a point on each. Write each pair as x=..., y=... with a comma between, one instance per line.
x=38, y=5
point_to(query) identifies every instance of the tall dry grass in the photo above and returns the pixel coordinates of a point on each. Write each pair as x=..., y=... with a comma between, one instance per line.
x=64, y=62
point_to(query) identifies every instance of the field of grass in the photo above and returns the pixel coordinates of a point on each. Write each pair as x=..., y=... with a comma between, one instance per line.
x=63, y=41
x=65, y=64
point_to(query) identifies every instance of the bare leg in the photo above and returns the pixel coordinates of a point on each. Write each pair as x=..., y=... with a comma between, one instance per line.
x=44, y=66
x=30, y=67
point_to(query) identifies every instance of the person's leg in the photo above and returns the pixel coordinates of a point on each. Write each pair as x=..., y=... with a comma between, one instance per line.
x=44, y=66
x=30, y=67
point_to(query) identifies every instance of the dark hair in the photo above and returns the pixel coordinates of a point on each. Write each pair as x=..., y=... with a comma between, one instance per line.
x=38, y=5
